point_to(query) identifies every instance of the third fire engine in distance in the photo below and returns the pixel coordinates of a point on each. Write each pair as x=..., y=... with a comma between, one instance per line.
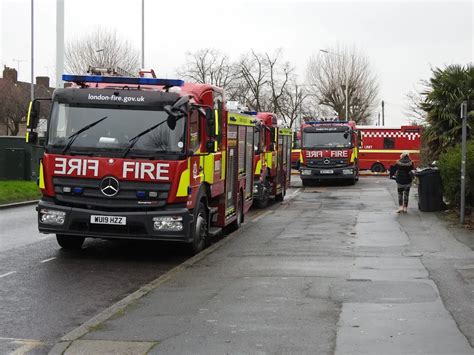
x=329, y=151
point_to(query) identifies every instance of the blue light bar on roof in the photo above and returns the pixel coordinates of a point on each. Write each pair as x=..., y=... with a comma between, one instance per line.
x=326, y=122
x=121, y=80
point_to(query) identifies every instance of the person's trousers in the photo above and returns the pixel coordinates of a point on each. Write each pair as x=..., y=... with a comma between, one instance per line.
x=403, y=193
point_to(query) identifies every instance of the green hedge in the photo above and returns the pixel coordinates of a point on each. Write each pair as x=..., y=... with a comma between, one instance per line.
x=450, y=168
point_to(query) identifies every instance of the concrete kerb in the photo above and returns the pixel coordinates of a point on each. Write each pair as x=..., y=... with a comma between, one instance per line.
x=100, y=318
x=18, y=204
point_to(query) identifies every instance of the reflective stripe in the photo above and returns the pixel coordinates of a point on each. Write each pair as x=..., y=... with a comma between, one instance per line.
x=184, y=182
x=223, y=165
x=268, y=159
x=41, y=176
x=208, y=161
x=258, y=167
x=388, y=151
x=27, y=135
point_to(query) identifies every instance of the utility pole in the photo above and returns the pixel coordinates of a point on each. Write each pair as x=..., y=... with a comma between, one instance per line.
x=347, y=97
x=59, y=42
x=383, y=113
x=463, y=160
x=32, y=91
x=143, y=34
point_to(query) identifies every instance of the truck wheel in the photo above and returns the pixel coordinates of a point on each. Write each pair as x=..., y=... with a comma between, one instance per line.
x=378, y=168
x=240, y=213
x=281, y=196
x=262, y=203
x=200, y=230
x=306, y=182
x=72, y=242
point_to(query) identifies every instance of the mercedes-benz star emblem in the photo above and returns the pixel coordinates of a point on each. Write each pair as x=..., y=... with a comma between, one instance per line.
x=109, y=186
x=326, y=161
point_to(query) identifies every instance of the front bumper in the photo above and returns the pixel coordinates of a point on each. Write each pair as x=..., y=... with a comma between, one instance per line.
x=139, y=225
x=328, y=173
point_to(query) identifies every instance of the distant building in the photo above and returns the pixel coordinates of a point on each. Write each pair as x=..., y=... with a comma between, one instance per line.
x=15, y=97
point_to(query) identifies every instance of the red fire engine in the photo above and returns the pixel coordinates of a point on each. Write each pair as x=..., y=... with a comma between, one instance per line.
x=272, y=159
x=142, y=158
x=329, y=151
x=381, y=146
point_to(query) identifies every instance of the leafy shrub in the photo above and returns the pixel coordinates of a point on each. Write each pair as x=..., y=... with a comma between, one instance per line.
x=450, y=168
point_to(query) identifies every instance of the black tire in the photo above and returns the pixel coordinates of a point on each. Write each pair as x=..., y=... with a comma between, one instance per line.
x=72, y=242
x=261, y=203
x=281, y=196
x=240, y=213
x=306, y=182
x=200, y=230
x=378, y=168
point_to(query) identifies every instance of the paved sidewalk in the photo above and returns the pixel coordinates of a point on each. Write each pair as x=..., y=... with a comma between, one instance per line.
x=332, y=270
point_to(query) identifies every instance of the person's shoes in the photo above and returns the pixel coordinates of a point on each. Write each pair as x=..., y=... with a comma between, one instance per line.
x=405, y=209
x=400, y=209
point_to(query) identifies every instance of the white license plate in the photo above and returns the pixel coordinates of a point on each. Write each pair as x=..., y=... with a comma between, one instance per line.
x=325, y=171
x=116, y=220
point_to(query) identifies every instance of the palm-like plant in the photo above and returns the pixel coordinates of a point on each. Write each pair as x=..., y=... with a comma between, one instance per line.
x=446, y=90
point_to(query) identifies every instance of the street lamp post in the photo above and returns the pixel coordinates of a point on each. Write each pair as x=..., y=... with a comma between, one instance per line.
x=463, y=161
x=346, y=84
x=32, y=93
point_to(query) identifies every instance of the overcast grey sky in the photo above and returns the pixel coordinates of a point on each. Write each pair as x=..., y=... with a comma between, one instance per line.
x=403, y=39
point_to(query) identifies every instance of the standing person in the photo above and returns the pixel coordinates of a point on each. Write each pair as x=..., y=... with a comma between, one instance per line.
x=402, y=173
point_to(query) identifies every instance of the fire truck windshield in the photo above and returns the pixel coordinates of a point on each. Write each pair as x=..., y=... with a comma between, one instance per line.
x=115, y=132
x=336, y=139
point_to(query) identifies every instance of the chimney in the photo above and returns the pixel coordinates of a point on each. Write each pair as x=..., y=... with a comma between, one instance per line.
x=10, y=74
x=42, y=81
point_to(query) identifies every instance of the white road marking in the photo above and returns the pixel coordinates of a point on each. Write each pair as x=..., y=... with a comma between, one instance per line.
x=46, y=260
x=8, y=273
x=27, y=345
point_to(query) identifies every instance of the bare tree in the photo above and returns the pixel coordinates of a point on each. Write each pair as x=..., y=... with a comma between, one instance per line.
x=14, y=105
x=259, y=81
x=327, y=75
x=208, y=66
x=253, y=72
x=101, y=48
x=413, y=108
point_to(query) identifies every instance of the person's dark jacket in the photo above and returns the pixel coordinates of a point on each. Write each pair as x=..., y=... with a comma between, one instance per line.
x=401, y=171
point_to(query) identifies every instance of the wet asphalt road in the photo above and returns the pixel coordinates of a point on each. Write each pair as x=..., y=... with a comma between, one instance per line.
x=46, y=292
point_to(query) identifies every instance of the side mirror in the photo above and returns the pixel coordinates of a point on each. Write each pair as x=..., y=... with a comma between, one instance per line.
x=211, y=146
x=273, y=135
x=171, y=122
x=32, y=120
x=173, y=116
x=210, y=122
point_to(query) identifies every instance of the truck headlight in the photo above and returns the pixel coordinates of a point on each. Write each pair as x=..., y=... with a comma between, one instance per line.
x=168, y=223
x=54, y=217
x=347, y=171
x=305, y=172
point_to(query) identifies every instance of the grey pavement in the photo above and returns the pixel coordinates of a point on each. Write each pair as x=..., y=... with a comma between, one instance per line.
x=331, y=270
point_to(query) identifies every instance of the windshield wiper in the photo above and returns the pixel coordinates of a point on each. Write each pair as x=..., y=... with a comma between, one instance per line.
x=73, y=136
x=135, y=139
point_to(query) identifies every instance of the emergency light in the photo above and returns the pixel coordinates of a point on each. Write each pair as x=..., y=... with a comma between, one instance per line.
x=121, y=80
x=326, y=122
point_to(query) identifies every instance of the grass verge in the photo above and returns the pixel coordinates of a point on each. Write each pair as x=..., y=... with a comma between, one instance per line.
x=17, y=191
